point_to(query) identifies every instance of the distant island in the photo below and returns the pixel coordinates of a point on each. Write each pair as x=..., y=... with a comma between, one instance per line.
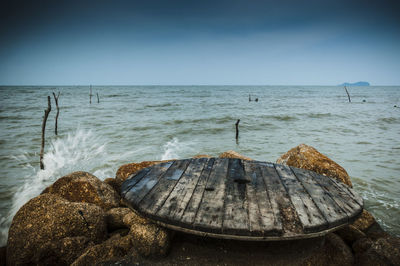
x=360, y=83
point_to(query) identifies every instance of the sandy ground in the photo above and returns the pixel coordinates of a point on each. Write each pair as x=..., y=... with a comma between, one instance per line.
x=193, y=250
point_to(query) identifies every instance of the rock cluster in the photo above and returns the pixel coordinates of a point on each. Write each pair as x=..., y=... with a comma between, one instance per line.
x=81, y=220
x=78, y=220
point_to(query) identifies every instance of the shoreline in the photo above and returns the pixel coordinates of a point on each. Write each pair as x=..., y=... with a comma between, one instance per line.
x=121, y=236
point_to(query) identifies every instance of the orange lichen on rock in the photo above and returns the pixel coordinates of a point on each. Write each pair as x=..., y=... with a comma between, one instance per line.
x=307, y=157
x=85, y=187
x=233, y=154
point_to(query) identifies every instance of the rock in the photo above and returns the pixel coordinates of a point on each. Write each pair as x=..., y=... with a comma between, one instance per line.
x=3, y=256
x=124, y=171
x=370, y=258
x=115, y=247
x=150, y=239
x=48, y=218
x=375, y=231
x=364, y=221
x=112, y=183
x=115, y=218
x=132, y=219
x=334, y=252
x=202, y=156
x=384, y=251
x=120, y=232
x=84, y=187
x=362, y=245
x=338, y=253
x=350, y=234
x=62, y=252
x=388, y=248
x=233, y=154
x=307, y=157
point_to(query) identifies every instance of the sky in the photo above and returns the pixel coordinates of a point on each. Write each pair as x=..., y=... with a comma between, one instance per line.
x=168, y=42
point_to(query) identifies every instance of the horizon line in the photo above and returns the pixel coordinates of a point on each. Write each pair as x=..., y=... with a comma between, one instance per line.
x=117, y=85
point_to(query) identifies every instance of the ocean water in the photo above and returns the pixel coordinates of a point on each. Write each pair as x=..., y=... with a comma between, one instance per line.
x=137, y=123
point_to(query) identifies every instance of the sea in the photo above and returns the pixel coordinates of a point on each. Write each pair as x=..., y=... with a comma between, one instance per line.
x=127, y=124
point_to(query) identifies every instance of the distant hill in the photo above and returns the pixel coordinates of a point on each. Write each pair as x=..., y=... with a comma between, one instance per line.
x=360, y=83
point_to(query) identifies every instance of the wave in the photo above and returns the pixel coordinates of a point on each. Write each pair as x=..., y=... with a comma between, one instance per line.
x=319, y=115
x=80, y=151
x=174, y=149
x=161, y=105
x=390, y=120
x=280, y=117
x=216, y=120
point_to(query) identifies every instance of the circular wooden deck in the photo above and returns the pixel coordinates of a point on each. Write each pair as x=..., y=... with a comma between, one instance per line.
x=237, y=199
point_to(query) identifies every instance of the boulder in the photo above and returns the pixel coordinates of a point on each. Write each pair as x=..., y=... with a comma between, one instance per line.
x=233, y=154
x=338, y=253
x=112, y=183
x=3, y=256
x=132, y=219
x=114, y=248
x=384, y=251
x=150, y=240
x=115, y=218
x=334, y=252
x=365, y=221
x=62, y=252
x=124, y=171
x=362, y=245
x=307, y=157
x=202, y=156
x=375, y=231
x=48, y=218
x=350, y=234
x=389, y=248
x=84, y=187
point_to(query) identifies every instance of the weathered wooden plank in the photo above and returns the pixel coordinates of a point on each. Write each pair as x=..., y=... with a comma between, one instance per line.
x=130, y=182
x=346, y=203
x=141, y=188
x=197, y=195
x=264, y=219
x=284, y=211
x=310, y=216
x=209, y=216
x=156, y=197
x=328, y=207
x=357, y=198
x=236, y=220
x=176, y=203
x=241, y=199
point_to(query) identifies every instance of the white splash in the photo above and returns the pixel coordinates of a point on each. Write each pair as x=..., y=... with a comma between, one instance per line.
x=80, y=151
x=172, y=149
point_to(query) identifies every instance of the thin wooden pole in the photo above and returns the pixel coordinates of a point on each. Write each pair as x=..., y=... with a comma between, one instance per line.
x=58, y=111
x=46, y=114
x=98, y=101
x=237, y=129
x=90, y=95
x=348, y=95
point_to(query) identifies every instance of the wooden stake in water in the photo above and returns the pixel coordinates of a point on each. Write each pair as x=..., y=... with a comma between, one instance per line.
x=348, y=95
x=237, y=129
x=46, y=114
x=98, y=101
x=90, y=95
x=58, y=111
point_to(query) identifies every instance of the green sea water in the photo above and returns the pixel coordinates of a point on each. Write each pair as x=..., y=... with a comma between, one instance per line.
x=136, y=123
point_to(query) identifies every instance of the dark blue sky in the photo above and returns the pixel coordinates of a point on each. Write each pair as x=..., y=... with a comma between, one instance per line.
x=199, y=42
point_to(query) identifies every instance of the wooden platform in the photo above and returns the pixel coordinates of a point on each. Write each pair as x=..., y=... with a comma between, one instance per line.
x=237, y=199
